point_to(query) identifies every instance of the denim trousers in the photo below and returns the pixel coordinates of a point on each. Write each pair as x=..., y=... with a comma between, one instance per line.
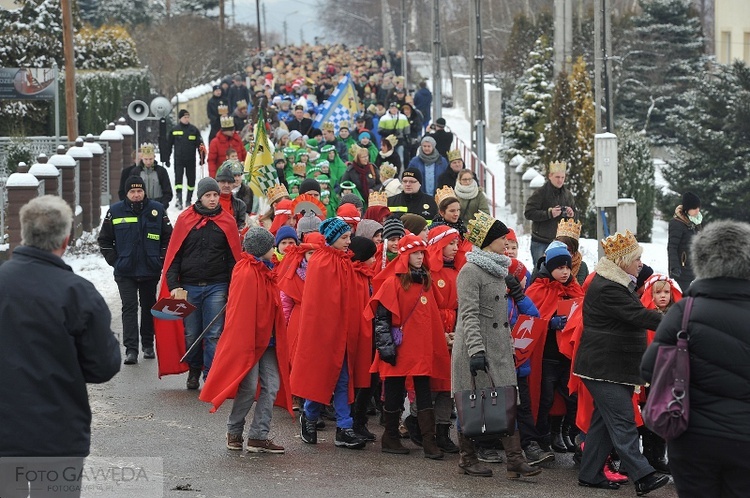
x=209, y=300
x=555, y=375
x=612, y=427
x=266, y=371
x=537, y=251
x=131, y=289
x=340, y=402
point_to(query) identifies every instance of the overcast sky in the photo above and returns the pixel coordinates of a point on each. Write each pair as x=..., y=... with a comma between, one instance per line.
x=298, y=14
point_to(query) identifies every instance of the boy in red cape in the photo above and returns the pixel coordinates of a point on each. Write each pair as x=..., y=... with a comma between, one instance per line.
x=252, y=350
x=171, y=339
x=550, y=369
x=328, y=342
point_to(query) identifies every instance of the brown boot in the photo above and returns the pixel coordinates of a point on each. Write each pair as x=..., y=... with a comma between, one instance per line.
x=517, y=465
x=426, y=419
x=467, y=459
x=391, y=440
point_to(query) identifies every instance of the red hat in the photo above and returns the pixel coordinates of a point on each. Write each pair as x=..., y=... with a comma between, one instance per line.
x=314, y=239
x=511, y=235
x=281, y=215
x=517, y=269
x=437, y=239
x=349, y=214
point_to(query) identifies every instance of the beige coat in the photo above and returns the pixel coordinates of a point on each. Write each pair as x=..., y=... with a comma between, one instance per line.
x=483, y=321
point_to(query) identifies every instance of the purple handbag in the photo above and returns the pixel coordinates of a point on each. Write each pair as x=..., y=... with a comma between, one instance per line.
x=667, y=409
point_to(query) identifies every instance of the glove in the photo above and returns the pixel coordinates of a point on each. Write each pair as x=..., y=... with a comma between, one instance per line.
x=514, y=288
x=478, y=362
x=388, y=354
x=558, y=322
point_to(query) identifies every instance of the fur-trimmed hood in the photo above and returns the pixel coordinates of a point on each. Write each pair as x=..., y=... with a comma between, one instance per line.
x=605, y=268
x=493, y=263
x=722, y=249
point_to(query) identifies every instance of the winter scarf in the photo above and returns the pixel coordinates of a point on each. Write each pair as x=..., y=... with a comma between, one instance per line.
x=467, y=192
x=459, y=225
x=494, y=264
x=362, y=171
x=302, y=269
x=386, y=155
x=576, y=263
x=429, y=159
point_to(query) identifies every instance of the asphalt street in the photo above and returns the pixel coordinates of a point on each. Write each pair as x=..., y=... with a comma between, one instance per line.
x=138, y=416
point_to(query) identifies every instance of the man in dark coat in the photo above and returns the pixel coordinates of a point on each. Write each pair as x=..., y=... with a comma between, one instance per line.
x=238, y=91
x=423, y=103
x=212, y=111
x=546, y=207
x=186, y=140
x=299, y=122
x=682, y=228
x=412, y=199
x=136, y=249
x=443, y=137
x=55, y=338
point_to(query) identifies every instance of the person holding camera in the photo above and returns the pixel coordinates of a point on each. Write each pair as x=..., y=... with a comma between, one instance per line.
x=546, y=207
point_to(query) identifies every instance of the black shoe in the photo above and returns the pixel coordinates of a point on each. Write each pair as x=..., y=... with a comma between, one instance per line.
x=443, y=438
x=347, y=438
x=149, y=354
x=535, y=455
x=362, y=431
x=600, y=485
x=320, y=424
x=649, y=483
x=558, y=445
x=569, y=444
x=308, y=432
x=194, y=378
x=131, y=358
x=178, y=204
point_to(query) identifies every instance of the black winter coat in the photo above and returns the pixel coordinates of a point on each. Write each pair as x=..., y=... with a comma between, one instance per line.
x=185, y=140
x=55, y=337
x=419, y=203
x=443, y=141
x=681, y=233
x=538, y=206
x=719, y=347
x=614, y=328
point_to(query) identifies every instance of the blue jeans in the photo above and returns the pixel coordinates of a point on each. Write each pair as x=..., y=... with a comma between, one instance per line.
x=209, y=301
x=537, y=251
x=340, y=402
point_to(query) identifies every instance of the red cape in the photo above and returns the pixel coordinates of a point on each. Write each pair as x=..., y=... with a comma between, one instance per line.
x=361, y=296
x=253, y=314
x=329, y=327
x=546, y=294
x=170, y=335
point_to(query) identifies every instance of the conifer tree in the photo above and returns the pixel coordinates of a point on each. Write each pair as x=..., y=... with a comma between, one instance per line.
x=581, y=178
x=636, y=178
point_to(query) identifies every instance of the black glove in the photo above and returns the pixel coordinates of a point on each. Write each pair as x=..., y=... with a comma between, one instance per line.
x=388, y=354
x=514, y=288
x=558, y=322
x=478, y=362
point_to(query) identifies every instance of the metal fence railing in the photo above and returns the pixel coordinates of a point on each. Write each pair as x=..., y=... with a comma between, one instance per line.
x=479, y=167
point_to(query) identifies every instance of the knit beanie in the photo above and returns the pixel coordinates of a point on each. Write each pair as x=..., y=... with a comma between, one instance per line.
x=363, y=248
x=557, y=256
x=429, y=140
x=352, y=199
x=414, y=223
x=133, y=182
x=258, y=241
x=285, y=232
x=332, y=229
x=690, y=201
x=393, y=227
x=183, y=112
x=225, y=172
x=368, y=228
x=294, y=135
x=309, y=185
x=412, y=173
x=207, y=184
x=497, y=230
x=308, y=223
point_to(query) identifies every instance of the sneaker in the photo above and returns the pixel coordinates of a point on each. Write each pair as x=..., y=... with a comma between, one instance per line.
x=320, y=424
x=347, y=438
x=536, y=455
x=131, y=358
x=613, y=475
x=149, y=354
x=489, y=455
x=263, y=446
x=649, y=483
x=234, y=442
x=308, y=432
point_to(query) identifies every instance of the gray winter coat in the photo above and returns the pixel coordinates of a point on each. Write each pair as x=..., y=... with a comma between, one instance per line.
x=483, y=322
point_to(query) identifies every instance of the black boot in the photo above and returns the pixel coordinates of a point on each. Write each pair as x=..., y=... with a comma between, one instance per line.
x=194, y=376
x=654, y=449
x=567, y=439
x=443, y=438
x=359, y=414
x=391, y=442
x=412, y=425
x=556, y=440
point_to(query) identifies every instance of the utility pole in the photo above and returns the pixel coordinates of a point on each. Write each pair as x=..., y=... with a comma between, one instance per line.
x=437, y=74
x=221, y=35
x=563, y=38
x=602, y=67
x=286, y=39
x=167, y=8
x=71, y=110
x=265, y=24
x=234, y=19
x=404, y=26
x=257, y=17
x=479, y=121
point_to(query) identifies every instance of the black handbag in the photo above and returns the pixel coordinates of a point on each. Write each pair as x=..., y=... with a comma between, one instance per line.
x=488, y=412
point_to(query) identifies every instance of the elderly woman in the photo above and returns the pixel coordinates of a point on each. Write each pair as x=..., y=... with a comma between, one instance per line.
x=683, y=226
x=608, y=360
x=482, y=341
x=712, y=457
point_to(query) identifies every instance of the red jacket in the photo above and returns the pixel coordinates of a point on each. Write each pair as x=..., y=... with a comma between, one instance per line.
x=217, y=151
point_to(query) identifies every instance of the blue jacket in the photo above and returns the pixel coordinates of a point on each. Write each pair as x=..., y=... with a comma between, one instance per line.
x=135, y=244
x=440, y=166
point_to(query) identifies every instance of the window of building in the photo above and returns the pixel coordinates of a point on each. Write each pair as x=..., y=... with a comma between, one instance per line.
x=725, y=55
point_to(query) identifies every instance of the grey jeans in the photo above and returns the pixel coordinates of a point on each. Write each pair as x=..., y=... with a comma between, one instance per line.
x=612, y=426
x=267, y=372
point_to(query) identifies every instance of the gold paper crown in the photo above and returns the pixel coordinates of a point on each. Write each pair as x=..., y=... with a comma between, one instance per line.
x=276, y=192
x=227, y=122
x=377, y=199
x=354, y=150
x=279, y=156
x=478, y=228
x=444, y=193
x=241, y=104
x=223, y=109
x=392, y=140
x=388, y=170
x=147, y=149
x=453, y=155
x=328, y=126
x=569, y=228
x=344, y=124
x=300, y=169
x=618, y=245
x=557, y=167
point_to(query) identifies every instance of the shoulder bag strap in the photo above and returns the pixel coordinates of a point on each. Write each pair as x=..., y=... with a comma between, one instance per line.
x=412, y=310
x=686, y=316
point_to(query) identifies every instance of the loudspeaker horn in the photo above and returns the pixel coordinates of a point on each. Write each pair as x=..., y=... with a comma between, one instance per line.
x=138, y=110
x=161, y=107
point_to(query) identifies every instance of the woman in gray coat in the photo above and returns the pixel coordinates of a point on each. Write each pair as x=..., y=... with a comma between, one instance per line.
x=483, y=341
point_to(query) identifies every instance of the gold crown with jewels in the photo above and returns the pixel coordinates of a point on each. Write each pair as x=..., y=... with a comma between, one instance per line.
x=276, y=192
x=444, y=193
x=227, y=122
x=557, y=167
x=223, y=109
x=478, y=228
x=453, y=155
x=569, y=228
x=148, y=149
x=377, y=199
x=618, y=245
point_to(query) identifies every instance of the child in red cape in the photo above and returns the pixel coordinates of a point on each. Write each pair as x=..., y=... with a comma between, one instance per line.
x=251, y=358
x=550, y=369
x=328, y=342
x=406, y=300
